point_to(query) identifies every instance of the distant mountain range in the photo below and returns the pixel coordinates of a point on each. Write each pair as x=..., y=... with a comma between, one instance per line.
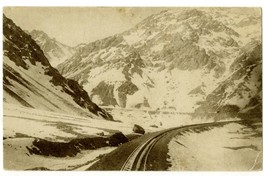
x=187, y=60
x=29, y=80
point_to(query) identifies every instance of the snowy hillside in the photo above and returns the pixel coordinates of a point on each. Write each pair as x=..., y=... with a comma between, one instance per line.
x=31, y=81
x=243, y=87
x=44, y=139
x=235, y=146
x=55, y=51
x=170, y=60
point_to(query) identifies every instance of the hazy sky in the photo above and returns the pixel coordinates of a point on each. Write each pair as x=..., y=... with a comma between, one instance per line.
x=73, y=26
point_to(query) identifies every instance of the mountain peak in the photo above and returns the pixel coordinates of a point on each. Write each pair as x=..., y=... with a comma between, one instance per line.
x=39, y=33
x=55, y=51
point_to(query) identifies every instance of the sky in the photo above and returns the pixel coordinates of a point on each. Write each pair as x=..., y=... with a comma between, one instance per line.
x=75, y=25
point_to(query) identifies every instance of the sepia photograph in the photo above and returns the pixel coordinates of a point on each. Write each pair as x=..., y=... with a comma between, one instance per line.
x=132, y=88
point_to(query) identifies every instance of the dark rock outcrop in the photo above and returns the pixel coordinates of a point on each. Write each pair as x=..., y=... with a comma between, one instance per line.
x=138, y=129
x=73, y=147
x=117, y=139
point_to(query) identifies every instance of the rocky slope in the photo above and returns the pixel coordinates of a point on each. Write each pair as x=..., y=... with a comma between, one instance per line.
x=243, y=87
x=172, y=60
x=55, y=51
x=29, y=79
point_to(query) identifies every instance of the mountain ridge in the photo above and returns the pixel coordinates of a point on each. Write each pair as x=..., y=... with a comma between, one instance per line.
x=173, y=45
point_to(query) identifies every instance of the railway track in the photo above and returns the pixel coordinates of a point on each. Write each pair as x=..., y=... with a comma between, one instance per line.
x=137, y=160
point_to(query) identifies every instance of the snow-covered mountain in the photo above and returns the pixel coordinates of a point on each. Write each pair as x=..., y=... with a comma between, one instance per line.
x=55, y=51
x=243, y=87
x=29, y=79
x=175, y=59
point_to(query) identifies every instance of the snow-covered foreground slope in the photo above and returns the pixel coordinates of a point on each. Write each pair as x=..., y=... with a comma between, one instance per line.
x=55, y=126
x=233, y=147
x=24, y=127
x=170, y=60
x=17, y=157
x=26, y=131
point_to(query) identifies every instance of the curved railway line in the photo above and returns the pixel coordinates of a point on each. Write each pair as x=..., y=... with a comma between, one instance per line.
x=137, y=160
